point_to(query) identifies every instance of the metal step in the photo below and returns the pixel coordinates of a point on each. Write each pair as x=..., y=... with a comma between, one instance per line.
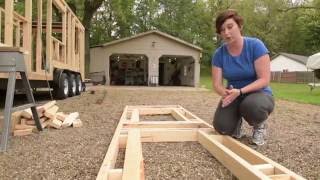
x=22, y=107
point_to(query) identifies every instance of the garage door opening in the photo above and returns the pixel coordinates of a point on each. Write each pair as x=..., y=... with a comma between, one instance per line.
x=128, y=69
x=176, y=70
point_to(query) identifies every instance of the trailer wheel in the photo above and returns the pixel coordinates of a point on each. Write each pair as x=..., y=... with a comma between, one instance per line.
x=72, y=85
x=62, y=90
x=78, y=84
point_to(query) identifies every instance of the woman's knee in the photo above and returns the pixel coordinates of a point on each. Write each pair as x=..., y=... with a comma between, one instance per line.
x=223, y=124
x=222, y=127
x=255, y=108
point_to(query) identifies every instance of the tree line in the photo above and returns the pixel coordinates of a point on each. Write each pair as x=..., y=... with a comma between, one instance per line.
x=291, y=26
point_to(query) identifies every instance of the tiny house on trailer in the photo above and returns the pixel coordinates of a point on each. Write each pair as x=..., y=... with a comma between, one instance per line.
x=52, y=39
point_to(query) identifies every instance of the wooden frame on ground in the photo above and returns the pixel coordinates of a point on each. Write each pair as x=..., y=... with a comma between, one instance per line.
x=242, y=161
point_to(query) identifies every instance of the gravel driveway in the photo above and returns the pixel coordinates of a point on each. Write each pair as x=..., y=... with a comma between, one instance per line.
x=77, y=153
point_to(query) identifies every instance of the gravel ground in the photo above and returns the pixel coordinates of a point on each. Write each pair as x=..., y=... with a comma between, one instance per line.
x=77, y=153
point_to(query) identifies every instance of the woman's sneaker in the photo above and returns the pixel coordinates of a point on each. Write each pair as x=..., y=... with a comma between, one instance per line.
x=258, y=135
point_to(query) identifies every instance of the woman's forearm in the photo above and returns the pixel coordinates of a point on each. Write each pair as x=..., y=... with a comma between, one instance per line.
x=255, y=86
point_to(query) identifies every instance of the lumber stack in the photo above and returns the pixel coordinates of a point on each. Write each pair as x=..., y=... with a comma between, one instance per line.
x=50, y=117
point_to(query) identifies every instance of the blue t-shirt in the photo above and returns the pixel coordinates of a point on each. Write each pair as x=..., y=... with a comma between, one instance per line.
x=239, y=70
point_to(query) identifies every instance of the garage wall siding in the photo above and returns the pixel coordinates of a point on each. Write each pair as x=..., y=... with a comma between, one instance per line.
x=152, y=45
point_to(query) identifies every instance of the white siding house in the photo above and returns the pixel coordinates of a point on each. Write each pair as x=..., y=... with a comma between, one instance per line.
x=285, y=62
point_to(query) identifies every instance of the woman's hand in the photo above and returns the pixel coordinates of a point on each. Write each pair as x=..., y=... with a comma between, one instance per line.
x=232, y=94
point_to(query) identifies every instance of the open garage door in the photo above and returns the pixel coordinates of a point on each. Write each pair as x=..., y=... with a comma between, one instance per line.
x=128, y=69
x=176, y=70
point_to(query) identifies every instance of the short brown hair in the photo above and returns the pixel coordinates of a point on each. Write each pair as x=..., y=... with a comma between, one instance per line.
x=223, y=16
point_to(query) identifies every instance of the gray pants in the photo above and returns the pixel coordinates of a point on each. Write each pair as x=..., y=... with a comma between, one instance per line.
x=253, y=107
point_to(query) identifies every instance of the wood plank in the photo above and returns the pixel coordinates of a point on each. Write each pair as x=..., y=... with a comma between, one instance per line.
x=155, y=111
x=27, y=113
x=23, y=126
x=164, y=124
x=279, y=169
x=238, y=166
x=22, y=132
x=38, y=37
x=152, y=106
x=55, y=123
x=178, y=115
x=8, y=19
x=69, y=119
x=115, y=174
x=281, y=177
x=48, y=105
x=166, y=135
x=135, y=115
x=111, y=156
x=51, y=112
x=61, y=116
x=59, y=5
x=267, y=169
x=195, y=118
x=77, y=123
x=242, y=151
x=49, y=34
x=133, y=164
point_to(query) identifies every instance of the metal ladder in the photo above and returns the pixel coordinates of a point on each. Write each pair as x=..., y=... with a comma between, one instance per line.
x=12, y=61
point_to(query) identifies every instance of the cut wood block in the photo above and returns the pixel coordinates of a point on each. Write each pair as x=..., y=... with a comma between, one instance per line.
x=23, y=121
x=27, y=113
x=43, y=119
x=61, y=116
x=50, y=113
x=69, y=119
x=48, y=105
x=15, y=119
x=45, y=124
x=30, y=122
x=77, y=123
x=23, y=132
x=23, y=126
x=55, y=123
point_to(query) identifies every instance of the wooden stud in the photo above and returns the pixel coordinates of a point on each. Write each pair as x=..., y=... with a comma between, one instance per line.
x=8, y=28
x=38, y=37
x=267, y=169
x=111, y=156
x=49, y=34
x=243, y=162
x=133, y=163
x=238, y=166
x=178, y=115
x=135, y=115
x=115, y=174
x=281, y=177
x=164, y=124
x=155, y=111
x=27, y=29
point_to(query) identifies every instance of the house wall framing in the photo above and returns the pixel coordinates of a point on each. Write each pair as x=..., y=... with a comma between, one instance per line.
x=241, y=160
x=18, y=30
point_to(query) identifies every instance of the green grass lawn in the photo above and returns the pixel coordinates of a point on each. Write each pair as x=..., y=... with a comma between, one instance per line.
x=291, y=92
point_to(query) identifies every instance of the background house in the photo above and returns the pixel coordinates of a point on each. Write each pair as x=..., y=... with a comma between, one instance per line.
x=285, y=62
x=291, y=68
x=150, y=58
